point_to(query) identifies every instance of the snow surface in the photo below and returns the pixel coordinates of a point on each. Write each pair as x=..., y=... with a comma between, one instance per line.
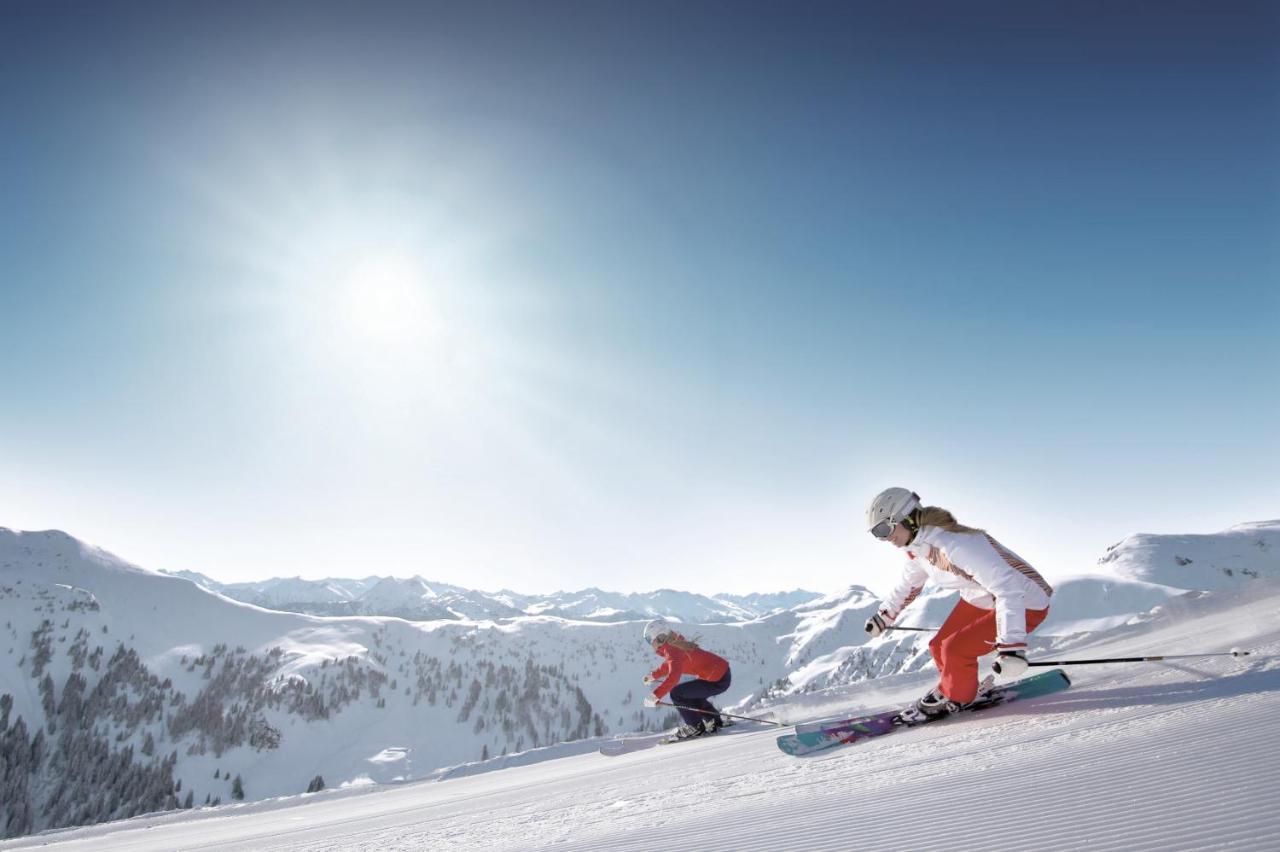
x=1181, y=755
x=1150, y=594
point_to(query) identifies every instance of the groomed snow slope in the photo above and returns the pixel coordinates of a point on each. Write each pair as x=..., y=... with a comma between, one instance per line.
x=1183, y=754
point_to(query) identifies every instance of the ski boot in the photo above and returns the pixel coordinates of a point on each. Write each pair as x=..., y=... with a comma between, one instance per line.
x=929, y=707
x=688, y=732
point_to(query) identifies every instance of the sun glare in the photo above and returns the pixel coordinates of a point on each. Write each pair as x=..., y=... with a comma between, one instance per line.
x=383, y=301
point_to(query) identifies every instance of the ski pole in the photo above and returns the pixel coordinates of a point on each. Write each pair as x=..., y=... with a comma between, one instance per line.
x=919, y=629
x=1232, y=653
x=722, y=713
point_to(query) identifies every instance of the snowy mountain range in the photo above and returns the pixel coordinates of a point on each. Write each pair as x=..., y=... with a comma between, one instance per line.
x=1173, y=756
x=179, y=696
x=418, y=599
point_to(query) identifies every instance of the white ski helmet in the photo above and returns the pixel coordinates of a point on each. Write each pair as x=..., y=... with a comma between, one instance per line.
x=891, y=506
x=657, y=628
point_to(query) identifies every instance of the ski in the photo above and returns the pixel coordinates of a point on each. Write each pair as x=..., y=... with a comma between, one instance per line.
x=817, y=736
x=630, y=744
x=626, y=745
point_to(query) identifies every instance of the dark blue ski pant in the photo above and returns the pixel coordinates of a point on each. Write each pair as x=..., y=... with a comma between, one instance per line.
x=692, y=695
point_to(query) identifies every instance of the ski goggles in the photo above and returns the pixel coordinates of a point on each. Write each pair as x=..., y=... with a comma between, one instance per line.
x=884, y=529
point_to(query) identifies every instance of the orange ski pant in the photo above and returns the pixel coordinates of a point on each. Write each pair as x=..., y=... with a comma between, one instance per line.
x=968, y=633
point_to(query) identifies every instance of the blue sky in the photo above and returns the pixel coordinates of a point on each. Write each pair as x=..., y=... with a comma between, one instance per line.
x=596, y=294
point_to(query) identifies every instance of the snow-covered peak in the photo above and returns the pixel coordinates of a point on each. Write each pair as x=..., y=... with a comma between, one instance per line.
x=286, y=591
x=422, y=598
x=687, y=607
x=1222, y=560
x=768, y=602
x=393, y=592
x=57, y=551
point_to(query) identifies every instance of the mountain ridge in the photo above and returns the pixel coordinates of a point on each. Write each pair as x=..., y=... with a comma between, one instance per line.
x=423, y=599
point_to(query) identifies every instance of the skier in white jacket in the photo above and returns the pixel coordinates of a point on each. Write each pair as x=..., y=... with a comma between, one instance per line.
x=1002, y=598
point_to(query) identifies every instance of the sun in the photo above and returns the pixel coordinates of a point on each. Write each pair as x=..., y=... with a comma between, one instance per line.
x=383, y=301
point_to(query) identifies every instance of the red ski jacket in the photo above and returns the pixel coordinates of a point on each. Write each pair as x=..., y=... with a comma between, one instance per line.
x=697, y=662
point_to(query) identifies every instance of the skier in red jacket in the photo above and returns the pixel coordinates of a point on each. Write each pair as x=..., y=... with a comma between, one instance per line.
x=682, y=657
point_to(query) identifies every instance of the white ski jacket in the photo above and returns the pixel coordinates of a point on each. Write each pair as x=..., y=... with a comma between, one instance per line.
x=986, y=574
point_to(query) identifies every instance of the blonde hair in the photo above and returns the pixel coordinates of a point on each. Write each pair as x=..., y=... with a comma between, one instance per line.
x=682, y=643
x=935, y=516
